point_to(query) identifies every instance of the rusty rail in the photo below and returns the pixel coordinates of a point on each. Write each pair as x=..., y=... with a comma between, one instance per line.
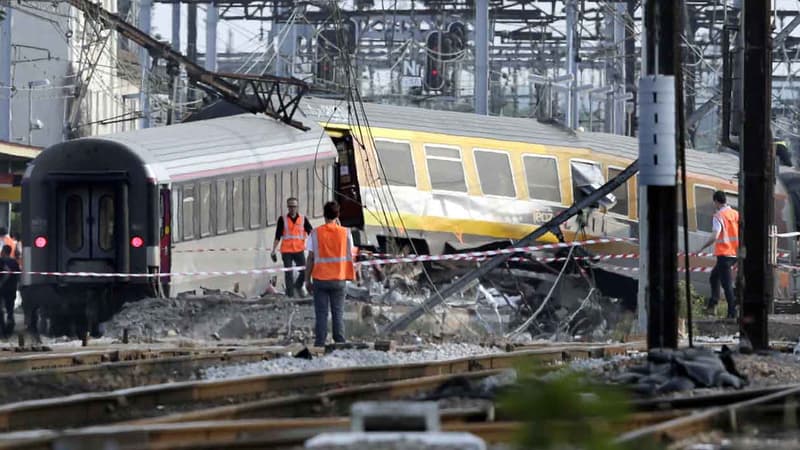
x=96, y=408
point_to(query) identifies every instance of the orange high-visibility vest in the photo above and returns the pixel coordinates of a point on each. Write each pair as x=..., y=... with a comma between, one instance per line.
x=727, y=243
x=294, y=235
x=332, y=258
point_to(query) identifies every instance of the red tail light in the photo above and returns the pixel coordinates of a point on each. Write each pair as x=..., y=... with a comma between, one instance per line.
x=40, y=242
x=137, y=242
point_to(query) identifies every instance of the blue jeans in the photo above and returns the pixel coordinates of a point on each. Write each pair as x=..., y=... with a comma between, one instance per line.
x=328, y=293
x=722, y=274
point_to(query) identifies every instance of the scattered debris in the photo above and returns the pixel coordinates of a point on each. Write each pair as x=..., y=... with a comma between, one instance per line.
x=667, y=371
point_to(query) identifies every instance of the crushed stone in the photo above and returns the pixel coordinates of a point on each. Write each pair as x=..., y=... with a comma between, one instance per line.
x=349, y=358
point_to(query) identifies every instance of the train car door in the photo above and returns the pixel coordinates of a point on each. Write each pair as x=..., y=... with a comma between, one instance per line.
x=87, y=221
x=348, y=193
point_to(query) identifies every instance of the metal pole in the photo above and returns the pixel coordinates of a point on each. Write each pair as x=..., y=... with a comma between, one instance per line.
x=30, y=113
x=176, y=26
x=658, y=171
x=481, y=87
x=758, y=177
x=212, y=17
x=621, y=63
x=5, y=75
x=191, y=42
x=145, y=12
x=572, y=67
x=630, y=69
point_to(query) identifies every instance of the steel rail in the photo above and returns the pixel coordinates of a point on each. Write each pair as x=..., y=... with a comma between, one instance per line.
x=96, y=408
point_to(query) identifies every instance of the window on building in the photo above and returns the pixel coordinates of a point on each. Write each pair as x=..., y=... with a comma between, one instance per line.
x=541, y=174
x=255, y=202
x=238, y=204
x=105, y=223
x=74, y=222
x=494, y=172
x=188, y=212
x=206, y=212
x=445, y=168
x=397, y=163
x=621, y=193
x=222, y=206
x=704, y=207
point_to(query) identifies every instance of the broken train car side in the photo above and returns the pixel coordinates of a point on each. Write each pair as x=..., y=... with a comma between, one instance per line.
x=451, y=180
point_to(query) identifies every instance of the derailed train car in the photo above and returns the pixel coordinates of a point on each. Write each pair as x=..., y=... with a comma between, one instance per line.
x=143, y=202
x=456, y=180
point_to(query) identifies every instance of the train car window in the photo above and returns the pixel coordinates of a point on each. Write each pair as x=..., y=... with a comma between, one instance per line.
x=319, y=189
x=494, y=172
x=271, y=199
x=396, y=162
x=176, y=218
x=621, y=193
x=238, y=204
x=74, y=222
x=286, y=190
x=586, y=178
x=302, y=191
x=105, y=225
x=704, y=207
x=255, y=202
x=445, y=168
x=206, y=211
x=542, y=176
x=222, y=206
x=188, y=212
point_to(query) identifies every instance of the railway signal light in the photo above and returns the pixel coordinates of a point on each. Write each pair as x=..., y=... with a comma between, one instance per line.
x=434, y=66
x=40, y=242
x=137, y=242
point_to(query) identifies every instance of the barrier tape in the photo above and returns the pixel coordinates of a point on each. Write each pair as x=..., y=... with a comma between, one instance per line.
x=516, y=250
x=468, y=256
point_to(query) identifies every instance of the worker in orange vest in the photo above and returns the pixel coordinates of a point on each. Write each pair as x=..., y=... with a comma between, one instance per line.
x=330, y=265
x=291, y=232
x=725, y=237
x=16, y=253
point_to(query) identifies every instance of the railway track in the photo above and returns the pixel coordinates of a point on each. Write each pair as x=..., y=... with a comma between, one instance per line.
x=160, y=400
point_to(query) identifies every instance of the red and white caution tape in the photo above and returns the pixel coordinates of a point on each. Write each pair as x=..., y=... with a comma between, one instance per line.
x=468, y=256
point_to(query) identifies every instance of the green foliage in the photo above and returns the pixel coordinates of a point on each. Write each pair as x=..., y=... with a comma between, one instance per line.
x=565, y=412
x=698, y=302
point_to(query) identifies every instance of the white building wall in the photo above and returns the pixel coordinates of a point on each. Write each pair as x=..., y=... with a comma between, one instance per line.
x=40, y=36
x=53, y=43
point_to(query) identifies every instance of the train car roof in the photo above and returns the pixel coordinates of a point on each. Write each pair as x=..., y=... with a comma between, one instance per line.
x=223, y=145
x=513, y=129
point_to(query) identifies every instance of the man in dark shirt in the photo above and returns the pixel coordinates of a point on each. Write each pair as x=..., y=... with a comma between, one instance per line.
x=291, y=232
x=8, y=287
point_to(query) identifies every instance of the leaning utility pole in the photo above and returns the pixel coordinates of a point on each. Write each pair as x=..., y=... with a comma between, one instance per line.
x=757, y=182
x=658, y=168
